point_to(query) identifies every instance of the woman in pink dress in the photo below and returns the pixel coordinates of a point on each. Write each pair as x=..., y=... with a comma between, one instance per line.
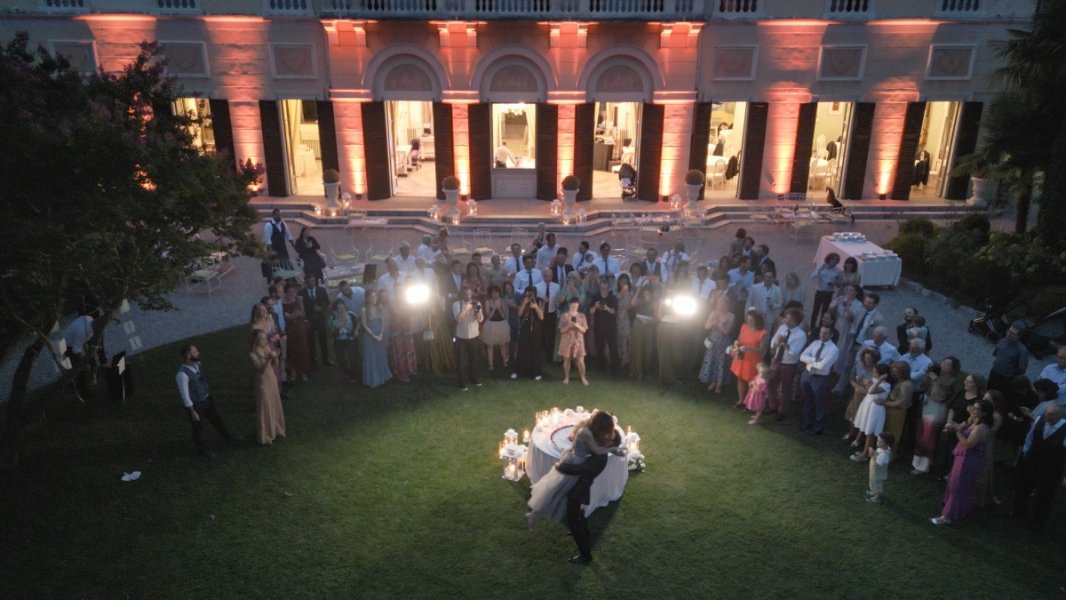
x=572, y=328
x=755, y=401
x=973, y=436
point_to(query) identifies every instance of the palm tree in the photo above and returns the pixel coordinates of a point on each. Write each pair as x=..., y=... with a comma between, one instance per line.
x=1035, y=75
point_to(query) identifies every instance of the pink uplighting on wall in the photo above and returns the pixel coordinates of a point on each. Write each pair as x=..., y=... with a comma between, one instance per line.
x=247, y=133
x=780, y=149
x=348, y=117
x=677, y=127
x=461, y=139
x=565, y=133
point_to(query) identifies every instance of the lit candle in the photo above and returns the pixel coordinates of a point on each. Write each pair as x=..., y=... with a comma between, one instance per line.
x=525, y=436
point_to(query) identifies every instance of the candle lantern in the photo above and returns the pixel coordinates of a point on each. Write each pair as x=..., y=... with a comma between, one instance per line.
x=556, y=207
x=555, y=414
x=471, y=208
x=510, y=437
x=525, y=436
x=318, y=210
x=582, y=216
x=455, y=219
x=566, y=219
x=434, y=212
x=347, y=198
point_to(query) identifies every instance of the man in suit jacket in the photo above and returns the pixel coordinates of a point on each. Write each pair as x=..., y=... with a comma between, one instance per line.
x=580, y=494
x=561, y=268
x=762, y=262
x=316, y=307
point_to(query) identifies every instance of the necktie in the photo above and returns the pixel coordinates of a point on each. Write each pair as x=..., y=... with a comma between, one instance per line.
x=530, y=273
x=312, y=293
x=862, y=321
x=818, y=354
x=548, y=287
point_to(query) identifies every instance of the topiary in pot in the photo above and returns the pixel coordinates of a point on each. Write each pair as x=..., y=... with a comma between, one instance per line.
x=695, y=177
x=331, y=176
x=449, y=183
x=571, y=183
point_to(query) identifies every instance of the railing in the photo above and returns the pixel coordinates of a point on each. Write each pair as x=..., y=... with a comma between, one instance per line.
x=739, y=9
x=959, y=7
x=481, y=9
x=850, y=8
x=64, y=6
x=172, y=7
x=289, y=7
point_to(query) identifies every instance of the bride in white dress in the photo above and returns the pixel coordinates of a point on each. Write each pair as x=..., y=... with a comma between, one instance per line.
x=591, y=436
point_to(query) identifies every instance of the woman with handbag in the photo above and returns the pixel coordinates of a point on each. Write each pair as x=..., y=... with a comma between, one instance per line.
x=310, y=254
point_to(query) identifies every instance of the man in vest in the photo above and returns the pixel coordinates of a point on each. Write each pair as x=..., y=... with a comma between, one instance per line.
x=1041, y=466
x=655, y=268
x=192, y=387
x=276, y=233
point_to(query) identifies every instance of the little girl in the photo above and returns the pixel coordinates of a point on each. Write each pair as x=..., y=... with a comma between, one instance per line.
x=879, y=467
x=755, y=401
x=870, y=418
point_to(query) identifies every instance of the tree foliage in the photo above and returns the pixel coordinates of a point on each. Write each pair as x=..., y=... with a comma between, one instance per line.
x=105, y=196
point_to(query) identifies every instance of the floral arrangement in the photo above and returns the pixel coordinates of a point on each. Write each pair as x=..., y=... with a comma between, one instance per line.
x=635, y=462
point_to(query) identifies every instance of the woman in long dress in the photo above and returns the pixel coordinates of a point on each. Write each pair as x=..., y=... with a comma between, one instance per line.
x=548, y=496
x=342, y=327
x=941, y=394
x=530, y=354
x=624, y=292
x=973, y=436
x=496, y=331
x=403, y=361
x=269, y=415
x=507, y=297
x=375, y=345
x=309, y=251
x=642, y=335
x=440, y=349
x=899, y=399
x=748, y=352
x=719, y=327
x=870, y=418
x=298, y=351
x=263, y=320
x=572, y=329
x=846, y=309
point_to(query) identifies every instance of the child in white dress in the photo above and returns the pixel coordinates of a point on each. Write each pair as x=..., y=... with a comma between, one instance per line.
x=879, y=467
x=870, y=417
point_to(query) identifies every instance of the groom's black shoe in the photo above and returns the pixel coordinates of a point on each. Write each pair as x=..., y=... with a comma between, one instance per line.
x=580, y=559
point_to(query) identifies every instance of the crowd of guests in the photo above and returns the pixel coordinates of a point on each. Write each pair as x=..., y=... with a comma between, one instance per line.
x=545, y=303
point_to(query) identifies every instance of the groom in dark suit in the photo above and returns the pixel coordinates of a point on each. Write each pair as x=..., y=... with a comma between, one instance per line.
x=579, y=494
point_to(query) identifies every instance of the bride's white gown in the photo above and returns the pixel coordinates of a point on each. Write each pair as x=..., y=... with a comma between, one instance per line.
x=548, y=497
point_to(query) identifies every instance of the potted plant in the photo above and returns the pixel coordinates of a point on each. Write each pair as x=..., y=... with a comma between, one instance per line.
x=331, y=180
x=694, y=181
x=982, y=179
x=450, y=186
x=571, y=185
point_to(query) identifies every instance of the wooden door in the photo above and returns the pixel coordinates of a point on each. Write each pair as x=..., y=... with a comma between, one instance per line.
x=480, y=121
x=651, y=152
x=327, y=135
x=376, y=151
x=584, y=141
x=273, y=148
x=801, y=160
x=965, y=143
x=701, y=136
x=862, y=123
x=223, y=129
x=547, y=151
x=443, y=140
x=908, y=149
x=751, y=155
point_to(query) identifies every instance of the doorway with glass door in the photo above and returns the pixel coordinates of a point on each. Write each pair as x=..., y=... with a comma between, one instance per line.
x=616, y=149
x=412, y=147
x=934, y=157
x=832, y=127
x=725, y=149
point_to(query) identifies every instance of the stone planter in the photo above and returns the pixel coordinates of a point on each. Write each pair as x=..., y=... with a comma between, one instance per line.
x=984, y=192
x=569, y=201
x=451, y=197
x=332, y=193
x=693, y=191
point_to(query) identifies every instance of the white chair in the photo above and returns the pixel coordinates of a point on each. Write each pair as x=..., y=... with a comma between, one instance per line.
x=818, y=173
x=717, y=174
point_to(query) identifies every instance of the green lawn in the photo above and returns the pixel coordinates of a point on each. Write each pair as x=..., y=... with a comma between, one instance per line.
x=396, y=492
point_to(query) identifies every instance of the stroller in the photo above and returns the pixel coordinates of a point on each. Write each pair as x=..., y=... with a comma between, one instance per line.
x=415, y=157
x=836, y=207
x=627, y=178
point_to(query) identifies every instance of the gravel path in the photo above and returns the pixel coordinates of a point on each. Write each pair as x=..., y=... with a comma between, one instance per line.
x=231, y=304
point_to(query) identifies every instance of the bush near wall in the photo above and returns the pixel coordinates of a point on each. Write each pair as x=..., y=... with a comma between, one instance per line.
x=972, y=264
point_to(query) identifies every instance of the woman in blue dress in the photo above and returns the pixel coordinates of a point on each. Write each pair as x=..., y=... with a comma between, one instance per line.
x=375, y=343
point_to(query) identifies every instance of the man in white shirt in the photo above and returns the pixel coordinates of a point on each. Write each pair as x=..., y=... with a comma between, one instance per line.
x=918, y=362
x=503, y=157
x=579, y=257
x=514, y=262
x=785, y=349
x=425, y=249
x=528, y=276
x=548, y=290
x=353, y=298
x=880, y=343
x=546, y=253
x=703, y=285
x=605, y=263
x=392, y=276
x=818, y=359
x=655, y=267
x=405, y=261
x=468, y=317
x=741, y=280
x=1056, y=372
x=766, y=297
x=192, y=388
x=275, y=234
x=675, y=256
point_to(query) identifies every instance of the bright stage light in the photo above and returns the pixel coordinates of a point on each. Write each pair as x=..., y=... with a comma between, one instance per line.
x=683, y=305
x=416, y=294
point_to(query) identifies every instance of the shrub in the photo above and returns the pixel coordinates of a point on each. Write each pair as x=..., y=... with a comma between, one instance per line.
x=571, y=183
x=695, y=177
x=1027, y=258
x=911, y=248
x=923, y=227
x=1047, y=299
x=947, y=251
x=331, y=176
x=975, y=222
x=981, y=280
x=450, y=183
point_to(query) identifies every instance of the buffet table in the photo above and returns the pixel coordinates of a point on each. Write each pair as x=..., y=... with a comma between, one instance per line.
x=547, y=442
x=877, y=266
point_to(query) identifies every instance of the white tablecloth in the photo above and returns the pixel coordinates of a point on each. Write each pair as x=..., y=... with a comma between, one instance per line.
x=305, y=162
x=873, y=272
x=547, y=444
